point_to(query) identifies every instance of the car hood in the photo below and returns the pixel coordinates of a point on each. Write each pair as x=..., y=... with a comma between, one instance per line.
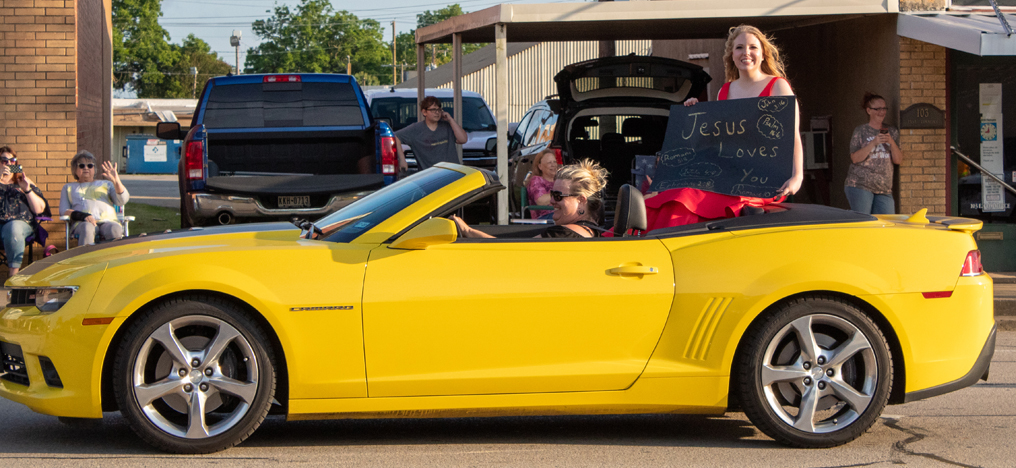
x=631, y=77
x=159, y=244
x=478, y=140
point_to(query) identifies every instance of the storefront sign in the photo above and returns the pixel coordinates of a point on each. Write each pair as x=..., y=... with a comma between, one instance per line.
x=922, y=115
x=739, y=147
x=992, y=193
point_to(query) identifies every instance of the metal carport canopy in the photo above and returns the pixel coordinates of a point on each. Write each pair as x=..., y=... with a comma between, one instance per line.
x=674, y=19
x=976, y=34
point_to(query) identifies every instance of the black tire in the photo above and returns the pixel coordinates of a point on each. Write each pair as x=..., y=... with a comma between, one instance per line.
x=843, y=385
x=214, y=404
x=185, y=219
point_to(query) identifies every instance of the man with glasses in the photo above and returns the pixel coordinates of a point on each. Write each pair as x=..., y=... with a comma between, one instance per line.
x=432, y=140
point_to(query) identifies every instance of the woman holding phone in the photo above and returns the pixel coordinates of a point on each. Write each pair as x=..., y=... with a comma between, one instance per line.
x=20, y=201
x=874, y=148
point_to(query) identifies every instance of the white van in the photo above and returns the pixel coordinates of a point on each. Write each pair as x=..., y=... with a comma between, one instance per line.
x=400, y=108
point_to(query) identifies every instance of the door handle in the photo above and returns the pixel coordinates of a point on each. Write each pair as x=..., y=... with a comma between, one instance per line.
x=633, y=270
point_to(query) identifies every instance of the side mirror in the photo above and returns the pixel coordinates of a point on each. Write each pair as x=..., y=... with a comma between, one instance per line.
x=491, y=145
x=169, y=131
x=434, y=231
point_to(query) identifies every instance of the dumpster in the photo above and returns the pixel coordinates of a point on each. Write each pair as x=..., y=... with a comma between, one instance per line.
x=147, y=154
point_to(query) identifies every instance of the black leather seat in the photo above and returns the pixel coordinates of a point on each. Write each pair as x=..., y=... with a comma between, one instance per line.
x=630, y=213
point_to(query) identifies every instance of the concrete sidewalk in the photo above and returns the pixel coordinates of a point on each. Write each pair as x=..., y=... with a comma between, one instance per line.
x=1005, y=300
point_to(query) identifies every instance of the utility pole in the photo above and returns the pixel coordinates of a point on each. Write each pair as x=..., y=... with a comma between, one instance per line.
x=349, y=66
x=194, y=89
x=395, y=69
x=234, y=41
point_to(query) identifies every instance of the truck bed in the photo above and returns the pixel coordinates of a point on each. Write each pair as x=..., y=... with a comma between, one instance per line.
x=332, y=152
x=296, y=184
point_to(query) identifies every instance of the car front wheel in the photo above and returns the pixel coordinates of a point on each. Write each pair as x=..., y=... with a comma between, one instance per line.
x=817, y=373
x=194, y=375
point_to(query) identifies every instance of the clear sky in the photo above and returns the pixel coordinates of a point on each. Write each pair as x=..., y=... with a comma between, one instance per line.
x=214, y=20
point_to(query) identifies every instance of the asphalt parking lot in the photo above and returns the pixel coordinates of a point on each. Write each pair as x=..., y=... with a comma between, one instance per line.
x=158, y=190
x=970, y=427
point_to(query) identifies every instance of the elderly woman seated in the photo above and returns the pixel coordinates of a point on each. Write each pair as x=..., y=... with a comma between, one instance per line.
x=90, y=203
x=20, y=201
x=576, y=199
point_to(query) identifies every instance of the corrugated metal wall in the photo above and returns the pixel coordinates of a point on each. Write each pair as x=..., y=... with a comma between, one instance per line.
x=120, y=141
x=531, y=72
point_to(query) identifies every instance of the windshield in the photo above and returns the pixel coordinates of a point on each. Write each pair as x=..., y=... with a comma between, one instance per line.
x=265, y=105
x=359, y=217
x=401, y=111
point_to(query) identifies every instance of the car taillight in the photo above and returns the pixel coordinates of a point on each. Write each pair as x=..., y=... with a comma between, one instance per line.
x=194, y=160
x=972, y=264
x=389, y=159
x=282, y=79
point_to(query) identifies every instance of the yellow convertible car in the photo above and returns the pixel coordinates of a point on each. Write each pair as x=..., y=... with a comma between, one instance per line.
x=810, y=319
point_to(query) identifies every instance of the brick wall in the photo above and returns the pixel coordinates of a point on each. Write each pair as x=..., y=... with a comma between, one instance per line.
x=37, y=91
x=923, y=180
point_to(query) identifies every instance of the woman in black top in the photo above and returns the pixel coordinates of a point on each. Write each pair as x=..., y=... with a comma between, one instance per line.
x=20, y=201
x=576, y=199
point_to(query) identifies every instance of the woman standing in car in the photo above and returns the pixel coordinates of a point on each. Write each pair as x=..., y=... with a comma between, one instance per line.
x=753, y=69
x=874, y=148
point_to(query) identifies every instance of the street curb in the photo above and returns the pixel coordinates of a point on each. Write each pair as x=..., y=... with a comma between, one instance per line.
x=1005, y=307
x=1003, y=278
x=1005, y=324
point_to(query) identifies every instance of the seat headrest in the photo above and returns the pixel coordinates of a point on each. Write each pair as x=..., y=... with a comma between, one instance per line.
x=630, y=212
x=634, y=126
x=578, y=133
x=612, y=138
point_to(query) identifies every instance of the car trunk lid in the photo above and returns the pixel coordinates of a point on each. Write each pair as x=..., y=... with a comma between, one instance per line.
x=631, y=77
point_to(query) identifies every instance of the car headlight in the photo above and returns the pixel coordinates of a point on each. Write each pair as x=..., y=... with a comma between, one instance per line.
x=50, y=300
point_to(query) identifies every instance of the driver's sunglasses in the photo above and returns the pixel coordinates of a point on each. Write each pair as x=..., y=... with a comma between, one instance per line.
x=558, y=196
x=9, y=160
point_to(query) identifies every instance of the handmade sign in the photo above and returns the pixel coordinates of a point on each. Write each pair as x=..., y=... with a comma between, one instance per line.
x=739, y=147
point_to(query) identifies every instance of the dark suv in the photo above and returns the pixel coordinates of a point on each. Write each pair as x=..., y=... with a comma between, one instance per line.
x=608, y=110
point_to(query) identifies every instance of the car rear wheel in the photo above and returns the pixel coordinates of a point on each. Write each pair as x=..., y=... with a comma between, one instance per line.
x=817, y=373
x=194, y=375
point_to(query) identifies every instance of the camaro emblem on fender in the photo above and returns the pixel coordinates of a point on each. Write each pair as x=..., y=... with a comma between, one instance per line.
x=302, y=309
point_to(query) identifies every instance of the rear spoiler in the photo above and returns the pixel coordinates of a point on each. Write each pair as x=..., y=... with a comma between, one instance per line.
x=966, y=225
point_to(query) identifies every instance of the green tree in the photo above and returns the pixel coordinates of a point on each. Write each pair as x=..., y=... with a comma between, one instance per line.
x=140, y=46
x=437, y=54
x=440, y=54
x=314, y=38
x=198, y=54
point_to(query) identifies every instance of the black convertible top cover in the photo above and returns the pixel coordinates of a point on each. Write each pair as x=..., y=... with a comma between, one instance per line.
x=776, y=215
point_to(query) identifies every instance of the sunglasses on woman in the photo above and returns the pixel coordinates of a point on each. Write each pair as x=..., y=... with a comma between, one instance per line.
x=82, y=166
x=9, y=160
x=558, y=196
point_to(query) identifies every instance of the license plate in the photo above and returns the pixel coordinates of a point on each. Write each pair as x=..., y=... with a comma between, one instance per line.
x=294, y=202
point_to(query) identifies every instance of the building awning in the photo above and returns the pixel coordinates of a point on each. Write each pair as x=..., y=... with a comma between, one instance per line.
x=971, y=33
x=684, y=19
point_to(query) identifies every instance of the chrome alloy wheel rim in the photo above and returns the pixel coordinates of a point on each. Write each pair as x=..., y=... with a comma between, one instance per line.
x=195, y=377
x=819, y=373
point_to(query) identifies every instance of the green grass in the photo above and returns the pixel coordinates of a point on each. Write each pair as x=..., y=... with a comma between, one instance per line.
x=152, y=219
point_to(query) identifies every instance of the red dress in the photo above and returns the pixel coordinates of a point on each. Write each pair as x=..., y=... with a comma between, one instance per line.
x=676, y=207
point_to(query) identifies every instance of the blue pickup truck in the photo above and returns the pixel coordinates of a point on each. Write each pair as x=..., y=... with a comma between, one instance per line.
x=276, y=146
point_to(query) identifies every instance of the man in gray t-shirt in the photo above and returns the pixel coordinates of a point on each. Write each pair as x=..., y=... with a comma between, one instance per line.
x=432, y=140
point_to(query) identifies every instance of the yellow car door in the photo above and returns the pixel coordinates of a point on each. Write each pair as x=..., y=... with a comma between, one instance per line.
x=481, y=317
